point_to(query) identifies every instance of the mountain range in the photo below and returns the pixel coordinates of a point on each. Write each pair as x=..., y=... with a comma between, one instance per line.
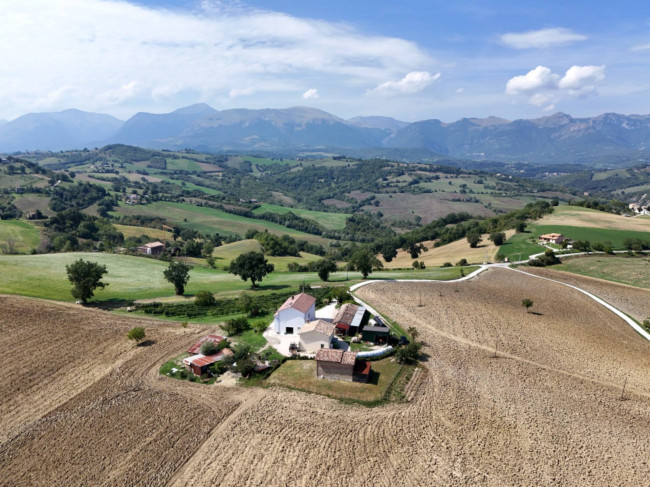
x=557, y=138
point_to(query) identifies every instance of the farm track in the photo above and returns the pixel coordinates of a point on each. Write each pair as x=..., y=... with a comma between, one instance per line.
x=545, y=412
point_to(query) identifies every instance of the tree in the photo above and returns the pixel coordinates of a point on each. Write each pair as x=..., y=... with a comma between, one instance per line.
x=413, y=331
x=136, y=334
x=85, y=278
x=388, y=252
x=526, y=303
x=208, y=248
x=251, y=265
x=474, y=239
x=324, y=268
x=414, y=248
x=408, y=353
x=235, y=326
x=498, y=238
x=178, y=273
x=365, y=261
x=520, y=226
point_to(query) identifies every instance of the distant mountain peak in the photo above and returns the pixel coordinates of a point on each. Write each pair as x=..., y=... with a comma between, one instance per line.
x=196, y=109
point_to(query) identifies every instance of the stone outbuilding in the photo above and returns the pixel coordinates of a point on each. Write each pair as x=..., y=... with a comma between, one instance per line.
x=348, y=319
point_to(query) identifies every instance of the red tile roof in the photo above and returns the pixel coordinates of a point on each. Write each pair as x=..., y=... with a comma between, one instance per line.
x=302, y=302
x=321, y=326
x=201, y=360
x=196, y=348
x=362, y=367
x=337, y=356
x=346, y=314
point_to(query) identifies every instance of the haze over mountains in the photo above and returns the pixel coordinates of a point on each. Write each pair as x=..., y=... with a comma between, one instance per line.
x=558, y=138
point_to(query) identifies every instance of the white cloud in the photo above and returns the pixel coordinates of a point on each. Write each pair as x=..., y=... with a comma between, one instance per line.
x=543, y=38
x=539, y=78
x=96, y=55
x=311, y=94
x=413, y=82
x=640, y=47
x=582, y=79
x=545, y=89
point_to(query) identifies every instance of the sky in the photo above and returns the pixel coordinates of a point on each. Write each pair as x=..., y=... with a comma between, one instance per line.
x=411, y=60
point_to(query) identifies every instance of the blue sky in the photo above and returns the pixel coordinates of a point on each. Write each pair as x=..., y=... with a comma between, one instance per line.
x=411, y=60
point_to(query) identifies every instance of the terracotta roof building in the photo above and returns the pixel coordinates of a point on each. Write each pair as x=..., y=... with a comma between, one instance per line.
x=316, y=335
x=556, y=238
x=348, y=319
x=152, y=248
x=335, y=364
x=294, y=313
x=196, y=348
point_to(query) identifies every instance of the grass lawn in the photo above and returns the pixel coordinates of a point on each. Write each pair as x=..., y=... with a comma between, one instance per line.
x=153, y=233
x=519, y=246
x=301, y=375
x=593, y=235
x=330, y=221
x=634, y=271
x=24, y=235
x=249, y=337
x=225, y=253
x=133, y=278
x=210, y=220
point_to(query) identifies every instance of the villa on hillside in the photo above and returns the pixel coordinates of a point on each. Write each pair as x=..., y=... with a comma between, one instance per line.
x=153, y=248
x=294, y=313
x=556, y=238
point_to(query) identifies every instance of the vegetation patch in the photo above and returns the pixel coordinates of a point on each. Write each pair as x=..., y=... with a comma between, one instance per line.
x=631, y=270
x=18, y=237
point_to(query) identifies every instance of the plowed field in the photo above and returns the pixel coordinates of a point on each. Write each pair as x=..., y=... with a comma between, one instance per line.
x=547, y=411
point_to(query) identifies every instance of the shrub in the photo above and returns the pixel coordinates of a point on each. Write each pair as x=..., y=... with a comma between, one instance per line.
x=209, y=348
x=204, y=298
x=136, y=334
x=461, y=262
x=646, y=324
x=447, y=264
x=235, y=326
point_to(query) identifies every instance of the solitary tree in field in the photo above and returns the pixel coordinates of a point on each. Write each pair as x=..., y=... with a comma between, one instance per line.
x=474, y=239
x=251, y=265
x=178, y=273
x=325, y=267
x=498, y=238
x=526, y=303
x=85, y=278
x=413, y=331
x=136, y=334
x=364, y=261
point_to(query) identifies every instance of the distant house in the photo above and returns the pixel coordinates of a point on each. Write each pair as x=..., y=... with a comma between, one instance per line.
x=377, y=332
x=199, y=363
x=132, y=199
x=153, y=248
x=340, y=365
x=316, y=335
x=348, y=319
x=556, y=238
x=294, y=313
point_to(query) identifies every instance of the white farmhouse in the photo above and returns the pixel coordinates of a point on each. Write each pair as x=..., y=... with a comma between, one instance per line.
x=294, y=313
x=316, y=335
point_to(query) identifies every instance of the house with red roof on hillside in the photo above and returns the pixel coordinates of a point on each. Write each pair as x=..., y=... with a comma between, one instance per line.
x=294, y=313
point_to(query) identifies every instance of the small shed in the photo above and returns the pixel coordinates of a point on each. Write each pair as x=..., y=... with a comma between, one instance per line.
x=199, y=363
x=361, y=371
x=316, y=335
x=349, y=318
x=377, y=333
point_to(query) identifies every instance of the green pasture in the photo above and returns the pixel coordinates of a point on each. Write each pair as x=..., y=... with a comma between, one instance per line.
x=634, y=271
x=330, y=221
x=228, y=252
x=24, y=236
x=210, y=220
x=133, y=278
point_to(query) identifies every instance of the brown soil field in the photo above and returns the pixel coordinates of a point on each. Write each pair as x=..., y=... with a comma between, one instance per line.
x=453, y=252
x=547, y=411
x=631, y=300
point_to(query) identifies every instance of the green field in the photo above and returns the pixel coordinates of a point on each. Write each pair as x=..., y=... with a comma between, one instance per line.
x=634, y=271
x=23, y=236
x=133, y=278
x=301, y=375
x=226, y=253
x=210, y=220
x=329, y=221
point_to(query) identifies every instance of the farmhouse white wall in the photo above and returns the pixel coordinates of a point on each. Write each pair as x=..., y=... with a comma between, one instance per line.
x=292, y=318
x=312, y=341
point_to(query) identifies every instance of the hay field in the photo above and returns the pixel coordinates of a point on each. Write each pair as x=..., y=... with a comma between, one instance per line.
x=576, y=216
x=453, y=252
x=546, y=412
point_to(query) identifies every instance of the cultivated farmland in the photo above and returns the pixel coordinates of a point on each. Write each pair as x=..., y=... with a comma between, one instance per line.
x=547, y=411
